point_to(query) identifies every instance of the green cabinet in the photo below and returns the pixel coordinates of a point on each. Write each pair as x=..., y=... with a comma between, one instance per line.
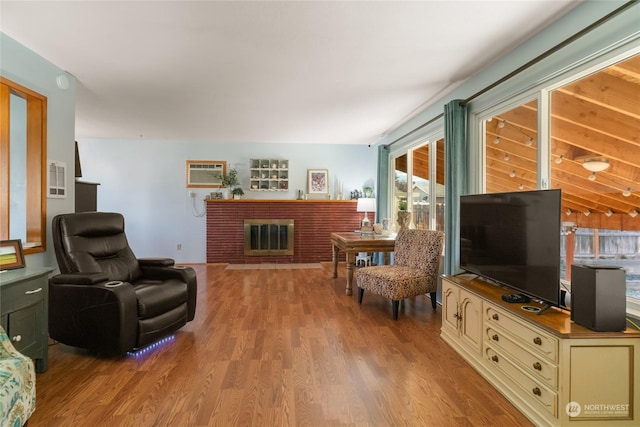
x=24, y=310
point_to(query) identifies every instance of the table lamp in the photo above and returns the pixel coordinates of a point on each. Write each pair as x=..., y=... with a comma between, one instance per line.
x=365, y=205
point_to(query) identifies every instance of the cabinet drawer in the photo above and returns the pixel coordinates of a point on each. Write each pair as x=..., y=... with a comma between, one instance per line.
x=25, y=330
x=23, y=294
x=532, y=391
x=532, y=338
x=537, y=367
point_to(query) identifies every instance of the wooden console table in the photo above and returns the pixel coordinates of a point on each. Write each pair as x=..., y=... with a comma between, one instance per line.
x=351, y=243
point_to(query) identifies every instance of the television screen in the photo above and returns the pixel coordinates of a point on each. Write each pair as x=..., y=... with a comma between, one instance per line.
x=514, y=239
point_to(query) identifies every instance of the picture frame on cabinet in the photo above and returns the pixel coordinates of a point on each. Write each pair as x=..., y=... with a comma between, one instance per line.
x=11, y=255
x=317, y=181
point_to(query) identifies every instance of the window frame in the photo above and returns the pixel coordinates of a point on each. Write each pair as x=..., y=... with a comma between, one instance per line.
x=36, y=158
x=430, y=137
x=482, y=109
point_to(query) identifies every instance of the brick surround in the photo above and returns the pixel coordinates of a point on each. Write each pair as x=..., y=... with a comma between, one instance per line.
x=314, y=220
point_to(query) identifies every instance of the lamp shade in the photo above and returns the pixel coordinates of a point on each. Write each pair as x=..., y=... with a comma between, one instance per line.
x=366, y=205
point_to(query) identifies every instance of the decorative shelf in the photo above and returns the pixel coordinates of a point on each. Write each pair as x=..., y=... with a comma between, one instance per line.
x=268, y=175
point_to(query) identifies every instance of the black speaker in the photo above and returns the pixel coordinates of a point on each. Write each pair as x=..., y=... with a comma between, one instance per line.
x=598, y=297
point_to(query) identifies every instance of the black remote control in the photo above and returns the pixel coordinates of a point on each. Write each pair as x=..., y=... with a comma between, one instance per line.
x=513, y=298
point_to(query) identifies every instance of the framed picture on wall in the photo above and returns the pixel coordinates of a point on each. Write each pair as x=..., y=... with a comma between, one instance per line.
x=11, y=255
x=317, y=181
x=205, y=173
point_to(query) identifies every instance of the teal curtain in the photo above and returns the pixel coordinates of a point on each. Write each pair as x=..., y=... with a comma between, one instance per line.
x=456, y=179
x=382, y=194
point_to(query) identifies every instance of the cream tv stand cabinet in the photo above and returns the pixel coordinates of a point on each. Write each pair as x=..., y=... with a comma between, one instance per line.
x=546, y=365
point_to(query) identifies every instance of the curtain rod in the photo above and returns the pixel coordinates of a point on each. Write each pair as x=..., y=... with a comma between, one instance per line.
x=529, y=64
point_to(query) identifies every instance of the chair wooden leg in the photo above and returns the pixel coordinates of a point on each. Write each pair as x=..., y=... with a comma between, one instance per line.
x=433, y=299
x=360, y=295
x=395, y=304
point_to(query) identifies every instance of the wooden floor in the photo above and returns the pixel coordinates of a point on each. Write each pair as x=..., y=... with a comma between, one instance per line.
x=281, y=347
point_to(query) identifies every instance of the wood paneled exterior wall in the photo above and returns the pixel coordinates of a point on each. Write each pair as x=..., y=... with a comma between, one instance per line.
x=314, y=221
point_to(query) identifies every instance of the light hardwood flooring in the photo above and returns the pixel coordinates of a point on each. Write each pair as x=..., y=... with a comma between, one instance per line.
x=278, y=347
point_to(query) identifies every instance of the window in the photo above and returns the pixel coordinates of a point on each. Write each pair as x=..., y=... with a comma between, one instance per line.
x=587, y=145
x=511, y=155
x=400, y=187
x=427, y=191
x=23, y=148
x=423, y=189
x=595, y=160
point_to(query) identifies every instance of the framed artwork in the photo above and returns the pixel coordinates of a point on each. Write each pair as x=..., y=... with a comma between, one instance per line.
x=205, y=173
x=11, y=255
x=317, y=181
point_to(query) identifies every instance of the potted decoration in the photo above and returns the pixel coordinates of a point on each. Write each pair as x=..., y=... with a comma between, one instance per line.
x=237, y=193
x=229, y=182
x=404, y=216
x=368, y=191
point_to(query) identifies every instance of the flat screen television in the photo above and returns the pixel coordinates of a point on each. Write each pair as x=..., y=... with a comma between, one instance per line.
x=514, y=239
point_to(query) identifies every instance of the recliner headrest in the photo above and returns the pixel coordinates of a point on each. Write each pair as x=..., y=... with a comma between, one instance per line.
x=94, y=242
x=91, y=224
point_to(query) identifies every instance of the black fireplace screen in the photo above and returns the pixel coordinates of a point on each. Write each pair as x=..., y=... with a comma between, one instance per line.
x=268, y=237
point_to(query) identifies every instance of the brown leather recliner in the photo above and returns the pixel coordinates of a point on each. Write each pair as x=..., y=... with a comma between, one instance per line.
x=107, y=300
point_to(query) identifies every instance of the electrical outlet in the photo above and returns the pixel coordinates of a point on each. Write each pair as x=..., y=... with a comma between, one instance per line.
x=192, y=194
x=179, y=246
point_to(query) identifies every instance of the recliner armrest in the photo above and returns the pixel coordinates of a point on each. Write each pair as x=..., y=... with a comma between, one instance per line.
x=156, y=262
x=177, y=272
x=80, y=278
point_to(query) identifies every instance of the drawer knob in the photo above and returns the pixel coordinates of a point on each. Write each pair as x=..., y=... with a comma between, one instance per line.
x=537, y=366
x=495, y=337
x=537, y=391
x=495, y=358
x=495, y=316
x=537, y=341
x=33, y=291
x=17, y=338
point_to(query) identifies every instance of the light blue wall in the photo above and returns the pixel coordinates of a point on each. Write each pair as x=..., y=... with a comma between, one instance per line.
x=28, y=69
x=145, y=181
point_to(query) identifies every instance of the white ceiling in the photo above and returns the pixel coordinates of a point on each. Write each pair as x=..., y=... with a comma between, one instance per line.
x=295, y=72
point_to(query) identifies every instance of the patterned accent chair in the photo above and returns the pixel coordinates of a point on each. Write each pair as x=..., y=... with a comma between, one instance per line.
x=414, y=271
x=17, y=385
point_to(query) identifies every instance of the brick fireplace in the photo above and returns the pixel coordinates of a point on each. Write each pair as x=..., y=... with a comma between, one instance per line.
x=314, y=221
